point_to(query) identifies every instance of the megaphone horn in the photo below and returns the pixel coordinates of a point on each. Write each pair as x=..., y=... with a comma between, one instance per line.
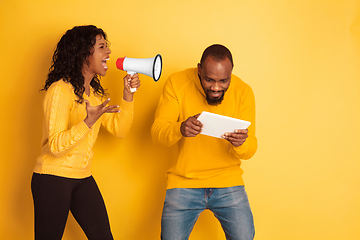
x=148, y=66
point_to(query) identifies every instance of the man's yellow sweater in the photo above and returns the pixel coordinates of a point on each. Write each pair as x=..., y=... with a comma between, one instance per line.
x=203, y=161
x=67, y=141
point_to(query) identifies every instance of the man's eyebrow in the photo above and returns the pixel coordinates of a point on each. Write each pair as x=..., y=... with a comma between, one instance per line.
x=209, y=78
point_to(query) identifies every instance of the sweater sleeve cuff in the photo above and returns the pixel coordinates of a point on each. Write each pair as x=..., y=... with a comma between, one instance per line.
x=127, y=106
x=82, y=128
x=176, y=130
x=245, y=151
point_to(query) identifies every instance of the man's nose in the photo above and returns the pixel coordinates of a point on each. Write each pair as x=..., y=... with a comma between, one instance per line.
x=216, y=86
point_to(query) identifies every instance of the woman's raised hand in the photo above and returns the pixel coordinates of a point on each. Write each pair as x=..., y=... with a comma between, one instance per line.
x=95, y=112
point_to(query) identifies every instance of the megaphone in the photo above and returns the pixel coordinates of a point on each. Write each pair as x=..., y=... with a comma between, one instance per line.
x=148, y=66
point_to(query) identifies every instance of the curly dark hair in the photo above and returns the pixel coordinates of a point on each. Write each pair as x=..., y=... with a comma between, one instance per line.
x=71, y=52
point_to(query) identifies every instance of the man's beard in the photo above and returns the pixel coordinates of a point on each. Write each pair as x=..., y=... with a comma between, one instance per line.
x=214, y=102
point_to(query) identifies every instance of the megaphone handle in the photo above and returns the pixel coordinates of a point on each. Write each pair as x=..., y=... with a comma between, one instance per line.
x=131, y=73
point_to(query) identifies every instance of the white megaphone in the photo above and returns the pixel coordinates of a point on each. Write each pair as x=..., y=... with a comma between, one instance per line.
x=148, y=66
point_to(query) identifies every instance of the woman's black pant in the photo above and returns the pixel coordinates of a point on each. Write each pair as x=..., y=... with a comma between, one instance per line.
x=54, y=196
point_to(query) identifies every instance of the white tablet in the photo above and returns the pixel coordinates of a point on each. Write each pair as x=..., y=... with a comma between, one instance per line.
x=216, y=125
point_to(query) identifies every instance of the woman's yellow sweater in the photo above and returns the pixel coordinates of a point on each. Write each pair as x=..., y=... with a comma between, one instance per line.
x=67, y=141
x=203, y=161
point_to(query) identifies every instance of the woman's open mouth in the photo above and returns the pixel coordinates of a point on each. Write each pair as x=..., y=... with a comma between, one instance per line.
x=103, y=63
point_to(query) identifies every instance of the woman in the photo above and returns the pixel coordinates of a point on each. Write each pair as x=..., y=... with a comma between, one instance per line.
x=74, y=110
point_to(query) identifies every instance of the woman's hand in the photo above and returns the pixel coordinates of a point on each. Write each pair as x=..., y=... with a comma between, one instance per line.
x=95, y=112
x=130, y=81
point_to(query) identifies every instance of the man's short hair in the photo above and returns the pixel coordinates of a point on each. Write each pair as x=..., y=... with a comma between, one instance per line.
x=218, y=52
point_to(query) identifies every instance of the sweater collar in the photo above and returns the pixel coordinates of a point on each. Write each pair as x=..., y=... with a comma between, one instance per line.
x=85, y=96
x=198, y=82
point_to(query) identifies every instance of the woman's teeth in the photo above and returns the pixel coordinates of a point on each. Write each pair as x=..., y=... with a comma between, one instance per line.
x=104, y=63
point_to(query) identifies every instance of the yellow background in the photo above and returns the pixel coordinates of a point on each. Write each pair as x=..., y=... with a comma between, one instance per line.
x=301, y=59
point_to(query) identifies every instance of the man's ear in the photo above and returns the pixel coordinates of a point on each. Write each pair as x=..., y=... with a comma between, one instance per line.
x=199, y=69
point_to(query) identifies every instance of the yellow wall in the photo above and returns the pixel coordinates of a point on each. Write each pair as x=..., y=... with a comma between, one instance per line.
x=300, y=57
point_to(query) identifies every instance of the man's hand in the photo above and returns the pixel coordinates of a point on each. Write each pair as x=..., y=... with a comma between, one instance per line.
x=95, y=112
x=236, y=138
x=191, y=127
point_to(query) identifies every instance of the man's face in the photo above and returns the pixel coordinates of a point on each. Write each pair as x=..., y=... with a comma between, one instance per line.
x=215, y=79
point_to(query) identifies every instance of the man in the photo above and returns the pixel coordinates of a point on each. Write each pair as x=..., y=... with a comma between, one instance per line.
x=207, y=174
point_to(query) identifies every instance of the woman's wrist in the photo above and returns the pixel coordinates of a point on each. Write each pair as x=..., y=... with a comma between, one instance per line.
x=128, y=96
x=88, y=122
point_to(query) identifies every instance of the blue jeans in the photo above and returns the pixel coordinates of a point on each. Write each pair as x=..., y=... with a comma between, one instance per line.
x=230, y=206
